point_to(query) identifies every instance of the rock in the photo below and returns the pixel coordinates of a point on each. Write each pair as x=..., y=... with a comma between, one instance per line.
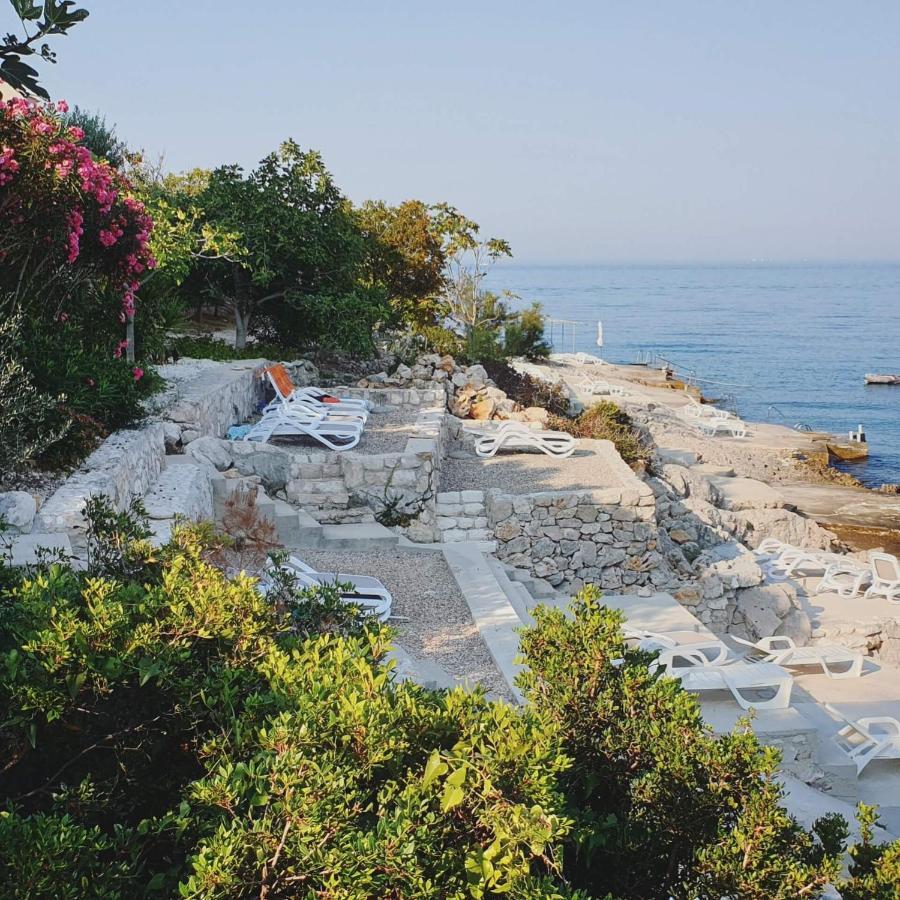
x=459, y=380
x=753, y=525
x=272, y=464
x=17, y=510
x=483, y=409
x=212, y=452
x=535, y=414
x=303, y=372
x=447, y=364
x=432, y=360
x=477, y=376
x=403, y=373
x=796, y=626
x=764, y=607
x=171, y=435
x=682, y=535
x=440, y=376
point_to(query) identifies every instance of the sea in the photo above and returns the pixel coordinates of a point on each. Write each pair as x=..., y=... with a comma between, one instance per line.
x=788, y=344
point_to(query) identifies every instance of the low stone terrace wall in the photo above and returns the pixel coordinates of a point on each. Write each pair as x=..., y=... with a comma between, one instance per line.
x=410, y=399
x=399, y=487
x=604, y=537
x=202, y=399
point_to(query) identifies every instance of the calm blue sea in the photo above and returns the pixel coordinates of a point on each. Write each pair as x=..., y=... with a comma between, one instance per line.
x=789, y=343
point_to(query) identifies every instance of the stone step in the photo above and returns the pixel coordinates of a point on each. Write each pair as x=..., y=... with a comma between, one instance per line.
x=493, y=614
x=354, y=536
x=519, y=598
x=296, y=527
x=183, y=490
x=537, y=587
x=29, y=549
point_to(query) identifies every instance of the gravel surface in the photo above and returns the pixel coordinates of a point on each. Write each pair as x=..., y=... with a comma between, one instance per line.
x=386, y=433
x=433, y=619
x=525, y=472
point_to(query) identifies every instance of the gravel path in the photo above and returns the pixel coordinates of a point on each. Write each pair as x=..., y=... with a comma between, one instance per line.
x=522, y=472
x=386, y=433
x=433, y=618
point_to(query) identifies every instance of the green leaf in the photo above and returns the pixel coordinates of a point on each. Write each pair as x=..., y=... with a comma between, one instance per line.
x=458, y=777
x=452, y=796
x=26, y=9
x=434, y=768
x=21, y=76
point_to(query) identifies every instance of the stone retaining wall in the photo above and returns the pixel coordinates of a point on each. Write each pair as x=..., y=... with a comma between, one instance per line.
x=411, y=399
x=218, y=396
x=126, y=465
x=572, y=538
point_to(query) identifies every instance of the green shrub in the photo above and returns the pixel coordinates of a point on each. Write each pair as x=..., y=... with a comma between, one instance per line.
x=605, y=421
x=171, y=727
x=30, y=420
x=523, y=334
x=661, y=807
x=212, y=348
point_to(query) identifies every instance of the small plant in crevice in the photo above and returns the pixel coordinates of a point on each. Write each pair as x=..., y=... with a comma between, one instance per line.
x=394, y=508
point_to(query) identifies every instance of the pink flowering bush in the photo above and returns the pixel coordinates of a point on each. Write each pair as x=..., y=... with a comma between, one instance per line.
x=72, y=238
x=74, y=248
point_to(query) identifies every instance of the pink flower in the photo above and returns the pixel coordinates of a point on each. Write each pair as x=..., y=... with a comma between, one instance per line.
x=62, y=106
x=119, y=349
x=138, y=373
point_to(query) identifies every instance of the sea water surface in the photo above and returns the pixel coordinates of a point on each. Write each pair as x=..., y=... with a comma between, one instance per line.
x=784, y=343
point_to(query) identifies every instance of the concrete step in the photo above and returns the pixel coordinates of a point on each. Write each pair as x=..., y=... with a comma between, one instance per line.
x=493, y=613
x=295, y=526
x=355, y=536
x=183, y=490
x=29, y=549
x=515, y=592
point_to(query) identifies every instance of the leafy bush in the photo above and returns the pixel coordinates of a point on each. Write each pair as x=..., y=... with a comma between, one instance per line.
x=605, y=421
x=523, y=334
x=175, y=729
x=30, y=420
x=661, y=807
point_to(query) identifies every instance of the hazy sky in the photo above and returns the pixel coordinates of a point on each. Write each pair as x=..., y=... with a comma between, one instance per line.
x=581, y=131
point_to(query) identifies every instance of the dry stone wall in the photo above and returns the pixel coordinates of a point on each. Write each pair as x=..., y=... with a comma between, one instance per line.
x=604, y=537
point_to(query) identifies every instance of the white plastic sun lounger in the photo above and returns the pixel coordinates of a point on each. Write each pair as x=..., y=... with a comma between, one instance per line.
x=885, y=577
x=846, y=579
x=834, y=660
x=516, y=436
x=366, y=591
x=713, y=427
x=872, y=737
x=793, y=561
x=715, y=652
x=331, y=434
x=771, y=548
x=743, y=679
x=604, y=387
x=697, y=410
x=290, y=398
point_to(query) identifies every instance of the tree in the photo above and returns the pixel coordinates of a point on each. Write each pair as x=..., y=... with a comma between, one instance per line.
x=50, y=18
x=405, y=254
x=294, y=238
x=469, y=259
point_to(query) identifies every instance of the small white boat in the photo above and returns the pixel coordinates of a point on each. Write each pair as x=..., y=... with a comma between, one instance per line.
x=882, y=379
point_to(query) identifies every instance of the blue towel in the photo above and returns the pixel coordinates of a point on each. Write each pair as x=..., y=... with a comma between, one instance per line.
x=237, y=432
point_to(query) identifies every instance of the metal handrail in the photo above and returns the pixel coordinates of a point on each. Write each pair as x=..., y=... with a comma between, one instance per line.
x=797, y=426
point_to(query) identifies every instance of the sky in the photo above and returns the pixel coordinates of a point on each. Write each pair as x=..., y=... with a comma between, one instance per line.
x=607, y=132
